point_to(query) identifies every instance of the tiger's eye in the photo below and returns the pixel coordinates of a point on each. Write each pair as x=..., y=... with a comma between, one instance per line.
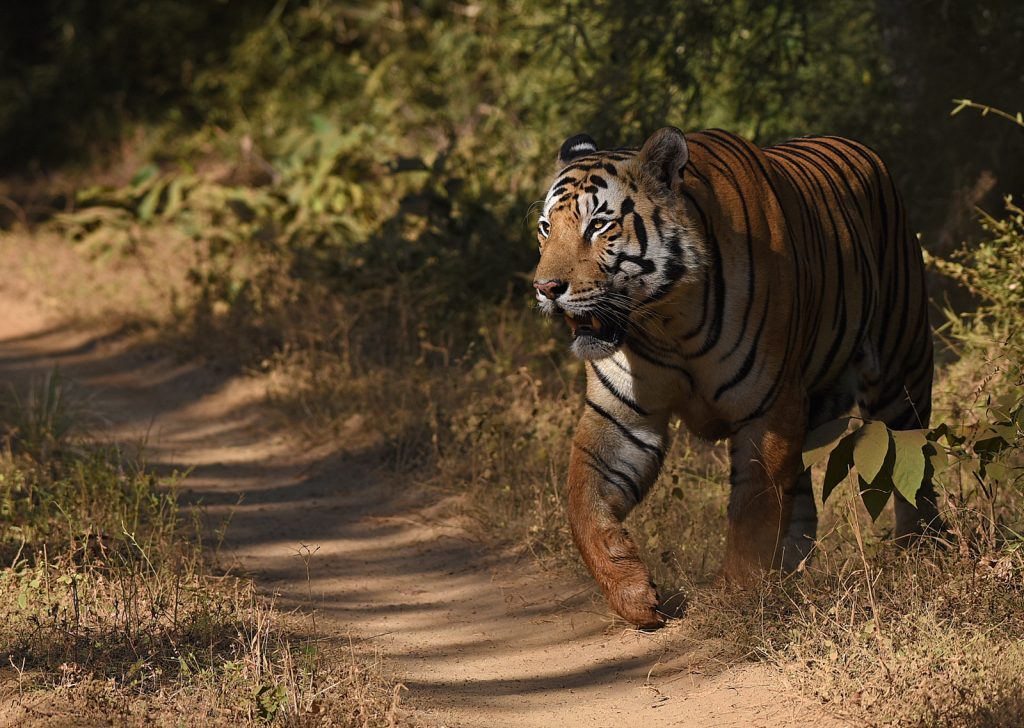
x=593, y=228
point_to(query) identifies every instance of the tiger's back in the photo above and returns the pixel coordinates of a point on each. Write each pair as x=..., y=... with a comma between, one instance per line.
x=809, y=240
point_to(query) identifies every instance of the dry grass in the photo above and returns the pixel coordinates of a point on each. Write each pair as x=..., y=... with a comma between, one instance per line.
x=880, y=635
x=109, y=610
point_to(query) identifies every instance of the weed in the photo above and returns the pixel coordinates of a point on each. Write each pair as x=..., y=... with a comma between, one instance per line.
x=46, y=418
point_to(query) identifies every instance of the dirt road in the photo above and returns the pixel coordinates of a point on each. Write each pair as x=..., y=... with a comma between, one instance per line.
x=478, y=638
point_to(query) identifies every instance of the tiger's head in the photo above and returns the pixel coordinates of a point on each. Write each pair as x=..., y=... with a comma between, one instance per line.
x=614, y=237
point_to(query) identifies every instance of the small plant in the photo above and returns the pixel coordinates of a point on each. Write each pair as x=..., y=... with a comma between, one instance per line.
x=985, y=110
x=46, y=418
x=889, y=461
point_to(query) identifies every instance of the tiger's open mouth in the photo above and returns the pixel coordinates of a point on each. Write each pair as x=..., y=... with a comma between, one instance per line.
x=595, y=326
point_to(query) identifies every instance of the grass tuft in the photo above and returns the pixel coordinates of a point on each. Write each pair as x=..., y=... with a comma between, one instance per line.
x=46, y=417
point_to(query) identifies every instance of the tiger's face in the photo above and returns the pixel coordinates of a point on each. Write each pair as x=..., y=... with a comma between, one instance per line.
x=613, y=237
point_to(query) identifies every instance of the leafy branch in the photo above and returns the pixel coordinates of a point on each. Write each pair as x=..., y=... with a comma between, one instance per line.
x=900, y=461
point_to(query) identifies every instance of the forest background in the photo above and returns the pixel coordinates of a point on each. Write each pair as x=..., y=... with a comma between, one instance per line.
x=338, y=195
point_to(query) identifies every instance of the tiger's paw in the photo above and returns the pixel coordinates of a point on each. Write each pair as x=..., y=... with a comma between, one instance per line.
x=636, y=601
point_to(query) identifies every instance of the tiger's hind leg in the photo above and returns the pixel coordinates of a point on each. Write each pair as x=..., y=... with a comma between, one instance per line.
x=803, y=524
x=902, y=401
x=765, y=473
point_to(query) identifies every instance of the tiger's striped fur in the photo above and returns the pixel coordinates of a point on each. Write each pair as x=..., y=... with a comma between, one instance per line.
x=754, y=293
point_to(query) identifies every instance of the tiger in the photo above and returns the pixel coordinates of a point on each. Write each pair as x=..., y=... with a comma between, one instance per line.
x=750, y=293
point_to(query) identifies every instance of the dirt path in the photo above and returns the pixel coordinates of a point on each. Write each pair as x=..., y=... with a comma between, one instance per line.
x=478, y=639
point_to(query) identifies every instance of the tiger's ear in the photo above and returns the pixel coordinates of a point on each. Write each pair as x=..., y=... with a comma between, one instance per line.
x=664, y=155
x=576, y=146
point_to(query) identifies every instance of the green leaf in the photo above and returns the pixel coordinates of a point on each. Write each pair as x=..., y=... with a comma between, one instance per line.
x=908, y=469
x=876, y=493
x=820, y=440
x=1005, y=406
x=994, y=471
x=874, y=497
x=147, y=208
x=175, y=198
x=994, y=438
x=944, y=430
x=145, y=173
x=871, y=449
x=838, y=465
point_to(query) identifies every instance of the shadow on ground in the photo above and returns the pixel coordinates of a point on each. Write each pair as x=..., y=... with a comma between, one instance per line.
x=476, y=637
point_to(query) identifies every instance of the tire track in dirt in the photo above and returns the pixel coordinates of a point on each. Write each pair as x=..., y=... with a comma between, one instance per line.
x=478, y=638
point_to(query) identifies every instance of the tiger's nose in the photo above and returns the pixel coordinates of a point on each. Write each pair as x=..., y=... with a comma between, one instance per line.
x=551, y=289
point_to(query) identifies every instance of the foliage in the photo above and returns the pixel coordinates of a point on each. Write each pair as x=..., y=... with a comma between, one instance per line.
x=899, y=461
x=495, y=87
x=993, y=272
x=79, y=74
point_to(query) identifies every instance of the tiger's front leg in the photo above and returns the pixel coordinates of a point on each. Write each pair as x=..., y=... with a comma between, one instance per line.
x=616, y=455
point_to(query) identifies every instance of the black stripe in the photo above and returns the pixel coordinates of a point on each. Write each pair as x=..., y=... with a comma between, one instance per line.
x=638, y=347
x=605, y=470
x=616, y=393
x=637, y=442
x=748, y=362
x=750, y=242
x=640, y=230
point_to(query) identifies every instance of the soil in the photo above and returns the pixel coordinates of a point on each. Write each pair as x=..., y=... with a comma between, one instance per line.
x=478, y=635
